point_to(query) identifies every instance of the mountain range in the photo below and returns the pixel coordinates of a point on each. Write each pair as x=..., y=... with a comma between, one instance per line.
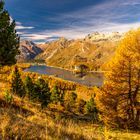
x=93, y=51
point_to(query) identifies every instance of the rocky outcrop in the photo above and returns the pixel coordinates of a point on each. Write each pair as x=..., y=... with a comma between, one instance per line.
x=28, y=51
x=51, y=49
x=97, y=37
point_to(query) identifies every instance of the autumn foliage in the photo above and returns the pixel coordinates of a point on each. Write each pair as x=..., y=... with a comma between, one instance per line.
x=119, y=99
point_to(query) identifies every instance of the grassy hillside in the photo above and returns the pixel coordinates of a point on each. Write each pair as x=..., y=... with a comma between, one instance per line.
x=24, y=120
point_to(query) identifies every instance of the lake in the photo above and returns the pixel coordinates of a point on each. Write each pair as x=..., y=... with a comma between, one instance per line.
x=91, y=79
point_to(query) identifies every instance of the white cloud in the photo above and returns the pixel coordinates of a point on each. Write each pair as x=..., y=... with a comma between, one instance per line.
x=20, y=33
x=18, y=23
x=19, y=26
x=130, y=2
x=104, y=17
x=35, y=36
x=79, y=32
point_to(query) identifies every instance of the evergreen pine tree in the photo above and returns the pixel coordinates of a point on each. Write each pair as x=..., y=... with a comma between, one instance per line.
x=80, y=105
x=90, y=108
x=9, y=41
x=17, y=86
x=70, y=101
x=42, y=92
x=29, y=87
x=55, y=95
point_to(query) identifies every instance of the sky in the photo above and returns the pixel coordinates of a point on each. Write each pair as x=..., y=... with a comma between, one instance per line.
x=46, y=20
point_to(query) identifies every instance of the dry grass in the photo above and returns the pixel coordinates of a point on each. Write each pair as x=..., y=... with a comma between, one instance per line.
x=25, y=120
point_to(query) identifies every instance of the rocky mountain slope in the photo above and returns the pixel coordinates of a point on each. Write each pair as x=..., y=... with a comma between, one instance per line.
x=93, y=51
x=96, y=36
x=28, y=51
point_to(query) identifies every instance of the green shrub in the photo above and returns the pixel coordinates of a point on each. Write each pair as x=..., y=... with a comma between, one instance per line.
x=70, y=101
x=90, y=108
x=80, y=105
x=55, y=95
x=29, y=87
x=8, y=97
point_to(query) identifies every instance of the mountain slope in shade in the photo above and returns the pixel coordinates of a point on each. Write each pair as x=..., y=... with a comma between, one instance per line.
x=93, y=51
x=28, y=51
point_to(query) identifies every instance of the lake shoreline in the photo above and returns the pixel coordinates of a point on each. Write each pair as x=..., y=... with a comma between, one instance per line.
x=37, y=64
x=90, y=79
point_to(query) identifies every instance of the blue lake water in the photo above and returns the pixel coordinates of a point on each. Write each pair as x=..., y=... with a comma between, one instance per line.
x=91, y=79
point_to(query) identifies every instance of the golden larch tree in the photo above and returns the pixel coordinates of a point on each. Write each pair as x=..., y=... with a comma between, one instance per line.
x=119, y=98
